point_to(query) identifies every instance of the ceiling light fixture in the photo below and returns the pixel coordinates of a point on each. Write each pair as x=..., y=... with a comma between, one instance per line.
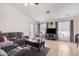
x=36, y=3
x=31, y=4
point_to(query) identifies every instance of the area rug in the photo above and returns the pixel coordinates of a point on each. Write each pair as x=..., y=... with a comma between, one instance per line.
x=43, y=51
x=34, y=52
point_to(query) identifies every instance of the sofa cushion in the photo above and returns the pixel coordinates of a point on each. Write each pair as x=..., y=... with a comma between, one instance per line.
x=7, y=43
x=2, y=53
x=5, y=38
x=23, y=52
x=12, y=52
x=19, y=51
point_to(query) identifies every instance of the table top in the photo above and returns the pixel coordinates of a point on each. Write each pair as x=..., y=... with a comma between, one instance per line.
x=36, y=40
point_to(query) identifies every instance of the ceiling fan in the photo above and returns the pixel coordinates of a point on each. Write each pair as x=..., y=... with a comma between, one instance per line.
x=26, y=4
x=36, y=3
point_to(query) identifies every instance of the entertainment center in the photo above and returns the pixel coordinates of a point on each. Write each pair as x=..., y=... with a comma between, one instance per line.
x=51, y=31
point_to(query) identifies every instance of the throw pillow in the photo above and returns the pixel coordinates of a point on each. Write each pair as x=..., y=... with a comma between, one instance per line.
x=2, y=39
x=5, y=38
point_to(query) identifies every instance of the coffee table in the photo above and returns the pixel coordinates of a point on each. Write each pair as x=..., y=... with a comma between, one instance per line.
x=35, y=43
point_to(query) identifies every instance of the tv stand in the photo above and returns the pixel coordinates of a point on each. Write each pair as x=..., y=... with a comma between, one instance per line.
x=51, y=36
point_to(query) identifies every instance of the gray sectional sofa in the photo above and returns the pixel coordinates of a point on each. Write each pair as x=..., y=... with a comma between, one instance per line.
x=9, y=46
x=11, y=35
x=9, y=40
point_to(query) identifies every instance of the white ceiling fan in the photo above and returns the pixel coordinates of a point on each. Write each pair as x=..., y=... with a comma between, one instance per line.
x=31, y=4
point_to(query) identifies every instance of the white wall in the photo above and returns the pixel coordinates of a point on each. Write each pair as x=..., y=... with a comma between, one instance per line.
x=12, y=20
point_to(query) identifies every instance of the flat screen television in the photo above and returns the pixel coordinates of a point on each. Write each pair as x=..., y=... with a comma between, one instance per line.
x=51, y=31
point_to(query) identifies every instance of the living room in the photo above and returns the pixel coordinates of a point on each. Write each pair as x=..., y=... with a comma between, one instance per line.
x=41, y=21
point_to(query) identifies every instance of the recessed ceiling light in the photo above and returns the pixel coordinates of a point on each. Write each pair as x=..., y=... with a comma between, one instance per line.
x=26, y=4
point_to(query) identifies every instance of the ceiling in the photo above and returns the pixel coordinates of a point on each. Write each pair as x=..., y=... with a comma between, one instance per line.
x=55, y=10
